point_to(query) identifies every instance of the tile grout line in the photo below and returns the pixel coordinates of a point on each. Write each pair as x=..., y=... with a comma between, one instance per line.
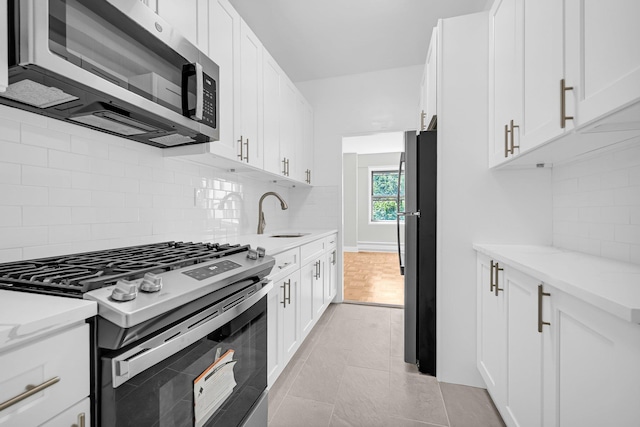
x=446, y=411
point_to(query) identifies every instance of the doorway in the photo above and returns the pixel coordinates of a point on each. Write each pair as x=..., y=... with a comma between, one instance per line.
x=370, y=187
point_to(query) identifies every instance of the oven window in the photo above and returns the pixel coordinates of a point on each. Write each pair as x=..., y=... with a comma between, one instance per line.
x=163, y=395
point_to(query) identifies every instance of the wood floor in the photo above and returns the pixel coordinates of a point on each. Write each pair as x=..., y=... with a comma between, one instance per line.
x=373, y=277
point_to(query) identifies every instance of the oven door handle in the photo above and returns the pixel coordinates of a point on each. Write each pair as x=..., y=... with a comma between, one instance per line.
x=143, y=356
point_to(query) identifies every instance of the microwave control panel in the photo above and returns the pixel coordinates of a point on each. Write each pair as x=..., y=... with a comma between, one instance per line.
x=209, y=101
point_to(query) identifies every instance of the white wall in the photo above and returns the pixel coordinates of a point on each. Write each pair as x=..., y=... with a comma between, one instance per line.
x=596, y=205
x=65, y=188
x=475, y=204
x=350, y=201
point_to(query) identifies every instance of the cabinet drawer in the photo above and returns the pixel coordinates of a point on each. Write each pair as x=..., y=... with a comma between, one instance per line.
x=286, y=263
x=331, y=242
x=63, y=356
x=79, y=415
x=311, y=251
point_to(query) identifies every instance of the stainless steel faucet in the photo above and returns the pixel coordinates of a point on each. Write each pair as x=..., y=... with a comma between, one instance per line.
x=261, y=222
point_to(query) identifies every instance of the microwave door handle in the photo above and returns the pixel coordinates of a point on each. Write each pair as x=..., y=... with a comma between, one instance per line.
x=199, y=92
x=4, y=47
x=399, y=213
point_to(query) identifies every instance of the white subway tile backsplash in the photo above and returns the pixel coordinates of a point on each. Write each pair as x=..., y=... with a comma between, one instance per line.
x=18, y=237
x=607, y=197
x=35, y=175
x=46, y=215
x=69, y=161
x=10, y=216
x=69, y=197
x=69, y=233
x=10, y=173
x=45, y=137
x=10, y=130
x=23, y=195
x=66, y=188
x=13, y=152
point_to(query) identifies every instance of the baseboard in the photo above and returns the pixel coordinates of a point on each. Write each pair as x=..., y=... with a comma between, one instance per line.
x=377, y=247
x=350, y=249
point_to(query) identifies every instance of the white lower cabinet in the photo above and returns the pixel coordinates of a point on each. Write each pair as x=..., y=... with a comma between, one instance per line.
x=298, y=299
x=79, y=415
x=549, y=359
x=58, y=366
x=283, y=331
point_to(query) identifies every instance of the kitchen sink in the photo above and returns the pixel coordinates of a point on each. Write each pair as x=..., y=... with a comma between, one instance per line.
x=289, y=235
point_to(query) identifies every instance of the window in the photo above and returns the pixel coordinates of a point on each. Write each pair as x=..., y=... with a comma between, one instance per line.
x=384, y=195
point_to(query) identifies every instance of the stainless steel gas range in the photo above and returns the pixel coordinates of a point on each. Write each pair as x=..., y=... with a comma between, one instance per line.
x=180, y=338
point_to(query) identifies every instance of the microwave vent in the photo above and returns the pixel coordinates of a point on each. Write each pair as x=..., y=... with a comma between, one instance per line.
x=36, y=94
x=171, y=140
x=114, y=122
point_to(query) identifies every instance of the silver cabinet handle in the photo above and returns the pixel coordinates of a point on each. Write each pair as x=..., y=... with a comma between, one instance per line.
x=241, y=155
x=81, y=420
x=284, y=166
x=246, y=144
x=31, y=390
x=284, y=265
x=541, y=293
x=288, y=299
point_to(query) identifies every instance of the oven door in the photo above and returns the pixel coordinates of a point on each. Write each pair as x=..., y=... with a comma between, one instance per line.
x=208, y=370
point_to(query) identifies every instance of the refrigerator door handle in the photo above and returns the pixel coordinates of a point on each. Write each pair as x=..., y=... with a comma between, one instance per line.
x=399, y=214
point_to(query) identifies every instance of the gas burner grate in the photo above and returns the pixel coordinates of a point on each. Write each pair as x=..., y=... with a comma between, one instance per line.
x=73, y=275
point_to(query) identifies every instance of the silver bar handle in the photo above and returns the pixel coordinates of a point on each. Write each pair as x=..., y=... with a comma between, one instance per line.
x=4, y=47
x=402, y=160
x=199, y=92
x=31, y=390
x=241, y=155
x=140, y=358
x=246, y=144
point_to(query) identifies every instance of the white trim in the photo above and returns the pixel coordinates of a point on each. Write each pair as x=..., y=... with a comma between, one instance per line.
x=350, y=249
x=377, y=246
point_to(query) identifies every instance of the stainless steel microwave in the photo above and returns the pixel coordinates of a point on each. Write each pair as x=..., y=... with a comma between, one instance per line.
x=111, y=65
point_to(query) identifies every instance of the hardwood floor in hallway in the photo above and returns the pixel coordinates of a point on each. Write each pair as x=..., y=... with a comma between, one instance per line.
x=373, y=277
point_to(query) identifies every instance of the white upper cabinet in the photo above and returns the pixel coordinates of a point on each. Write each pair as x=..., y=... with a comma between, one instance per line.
x=272, y=76
x=288, y=127
x=603, y=56
x=250, y=141
x=542, y=68
x=566, y=72
x=306, y=161
x=224, y=34
x=189, y=17
x=428, y=95
x=503, y=79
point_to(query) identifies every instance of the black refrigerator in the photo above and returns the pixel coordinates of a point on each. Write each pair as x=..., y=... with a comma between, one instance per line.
x=418, y=168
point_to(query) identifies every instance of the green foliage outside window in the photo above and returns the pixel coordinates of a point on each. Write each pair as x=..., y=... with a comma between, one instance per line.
x=384, y=195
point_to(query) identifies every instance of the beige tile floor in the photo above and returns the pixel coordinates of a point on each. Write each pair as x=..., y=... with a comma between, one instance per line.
x=350, y=372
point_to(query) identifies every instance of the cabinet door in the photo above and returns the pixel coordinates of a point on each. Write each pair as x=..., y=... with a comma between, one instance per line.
x=503, y=77
x=594, y=364
x=288, y=117
x=275, y=322
x=492, y=333
x=188, y=17
x=524, y=349
x=271, y=128
x=318, y=287
x=250, y=96
x=307, y=273
x=431, y=79
x=542, y=50
x=331, y=279
x=602, y=57
x=224, y=36
x=79, y=415
x=291, y=325
x=306, y=146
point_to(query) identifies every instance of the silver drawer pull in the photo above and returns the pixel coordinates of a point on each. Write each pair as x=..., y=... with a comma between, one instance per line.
x=31, y=390
x=284, y=265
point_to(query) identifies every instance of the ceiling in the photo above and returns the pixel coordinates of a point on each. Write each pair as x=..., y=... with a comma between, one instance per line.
x=390, y=142
x=316, y=39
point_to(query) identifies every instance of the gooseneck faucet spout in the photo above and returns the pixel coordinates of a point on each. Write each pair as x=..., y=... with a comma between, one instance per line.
x=261, y=222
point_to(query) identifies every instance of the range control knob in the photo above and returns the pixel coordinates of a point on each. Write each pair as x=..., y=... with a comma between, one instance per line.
x=125, y=290
x=252, y=254
x=261, y=251
x=151, y=283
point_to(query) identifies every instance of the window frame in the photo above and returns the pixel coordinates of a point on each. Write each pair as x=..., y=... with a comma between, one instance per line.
x=377, y=169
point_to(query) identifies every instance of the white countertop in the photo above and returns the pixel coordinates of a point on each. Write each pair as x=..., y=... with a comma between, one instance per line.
x=612, y=286
x=25, y=316
x=274, y=245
